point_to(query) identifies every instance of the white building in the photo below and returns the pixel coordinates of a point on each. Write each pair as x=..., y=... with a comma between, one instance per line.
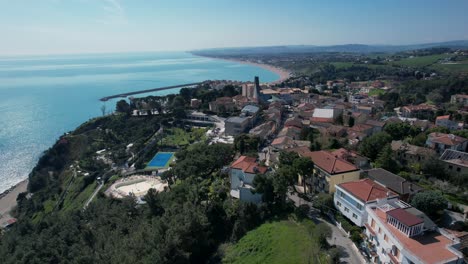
x=242, y=173
x=352, y=198
x=399, y=233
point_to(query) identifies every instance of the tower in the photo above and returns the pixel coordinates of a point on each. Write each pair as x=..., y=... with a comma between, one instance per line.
x=256, y=94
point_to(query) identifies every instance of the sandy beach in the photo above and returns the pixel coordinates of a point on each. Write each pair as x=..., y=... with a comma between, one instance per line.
x=283, y=73
x=8, y=200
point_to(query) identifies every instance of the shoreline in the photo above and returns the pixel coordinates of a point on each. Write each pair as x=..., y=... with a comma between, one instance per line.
x=283, y=73
x=8, y=198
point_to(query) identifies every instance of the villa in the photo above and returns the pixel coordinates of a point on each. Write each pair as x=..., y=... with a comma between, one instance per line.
x=242, y=173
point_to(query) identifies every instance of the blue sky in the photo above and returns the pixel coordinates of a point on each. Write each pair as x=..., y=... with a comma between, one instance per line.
x=83, y=26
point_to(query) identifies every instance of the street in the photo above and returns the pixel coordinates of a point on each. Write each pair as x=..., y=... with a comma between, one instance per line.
x=349, y=253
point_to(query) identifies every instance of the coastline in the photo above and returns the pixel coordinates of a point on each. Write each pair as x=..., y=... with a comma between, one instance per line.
x=283, y=73
x=8, y=199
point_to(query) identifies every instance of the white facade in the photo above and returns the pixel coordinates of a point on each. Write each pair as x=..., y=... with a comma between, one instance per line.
x=350, y=207
x=390, y=249
x=241, y=186
x=353, y=208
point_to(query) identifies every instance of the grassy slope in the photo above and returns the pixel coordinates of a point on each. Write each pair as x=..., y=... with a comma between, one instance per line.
x=276, y=242
x=179, y=137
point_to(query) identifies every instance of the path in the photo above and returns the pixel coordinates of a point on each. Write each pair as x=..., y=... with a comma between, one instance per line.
x=93, y=195
x=350, y=253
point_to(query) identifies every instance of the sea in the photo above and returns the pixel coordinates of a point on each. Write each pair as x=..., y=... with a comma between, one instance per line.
x=43, y=97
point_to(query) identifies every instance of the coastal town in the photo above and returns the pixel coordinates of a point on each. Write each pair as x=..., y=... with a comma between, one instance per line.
x=365, y=170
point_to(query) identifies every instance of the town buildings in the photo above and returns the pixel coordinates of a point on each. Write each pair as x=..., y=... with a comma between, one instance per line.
x=242, y=173
x=352, y=198
x=441, y=141
x=404, y=188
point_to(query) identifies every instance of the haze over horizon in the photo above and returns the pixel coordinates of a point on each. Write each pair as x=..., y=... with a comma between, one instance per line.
x=101, y=26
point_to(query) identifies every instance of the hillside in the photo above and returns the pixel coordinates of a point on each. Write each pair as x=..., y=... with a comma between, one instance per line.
x=277, y=242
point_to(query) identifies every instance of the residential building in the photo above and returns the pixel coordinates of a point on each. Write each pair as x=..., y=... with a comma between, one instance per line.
x=353, y=157
x=362, y=128
x=222, y=104
x=264, y=130
x=242, y=173
x=377, y=126
x=459, y=98
x=330, y=171
x=352, y=198
x=444, y=121
x=399, y=233
x=440, y=142
x=236, y=125
x=405, y=189
x=323, y=115
x=195, y=103
x=421, y=111
x=456, y=162
x=407, y=154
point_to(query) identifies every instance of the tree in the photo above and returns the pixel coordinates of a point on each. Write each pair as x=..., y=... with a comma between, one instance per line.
x=323, y=202
x=103, y=109
x=401, y=130
x=430, y=202
x=372, y=145
x=304, y=167
x=322, y=232
x=351, y=121
x=385, y=160
x=419, y=139
x=123, y=107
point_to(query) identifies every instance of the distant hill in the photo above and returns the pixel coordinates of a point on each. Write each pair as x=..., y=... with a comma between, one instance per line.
x=351, y=48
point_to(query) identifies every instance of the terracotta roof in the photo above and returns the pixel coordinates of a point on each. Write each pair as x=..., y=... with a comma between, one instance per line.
x=361, y=127
x=248, y=165
x=446, y=139
x=321, y=120
x=430, y=247
x=419, y=107
x=375, y=123
x=329, y=163
x=367, y=190
x=443, y=117
x=404, y=217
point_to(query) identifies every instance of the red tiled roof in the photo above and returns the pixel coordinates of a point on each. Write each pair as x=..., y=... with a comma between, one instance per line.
x=446, y=139
x=430, y=247
x=443, y=117
x=405, y=217
x=248, y=165
x=321, y=120
x=329, y=163
x=361, y=127
x=366, y=190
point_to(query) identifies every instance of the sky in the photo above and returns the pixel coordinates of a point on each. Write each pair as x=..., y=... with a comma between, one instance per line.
x=88, y=26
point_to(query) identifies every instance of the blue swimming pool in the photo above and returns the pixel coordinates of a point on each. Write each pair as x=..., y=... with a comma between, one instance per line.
x=161, y=160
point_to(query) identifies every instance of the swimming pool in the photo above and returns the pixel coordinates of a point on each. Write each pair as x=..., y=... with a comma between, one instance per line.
x=161, y=160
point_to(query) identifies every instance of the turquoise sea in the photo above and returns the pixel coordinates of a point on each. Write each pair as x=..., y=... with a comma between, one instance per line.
x=42, y=97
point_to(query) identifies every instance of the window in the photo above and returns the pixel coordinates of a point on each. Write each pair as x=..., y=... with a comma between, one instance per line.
x=346, y=209
x=373, y=223
x=338, y=203
x=380, y=230
x=385, y=237
x=354, y=216
x=359, y=207
x=341, y=194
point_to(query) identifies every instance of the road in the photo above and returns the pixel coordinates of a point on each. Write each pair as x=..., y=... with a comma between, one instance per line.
x=349, y=253
x=93, y=195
